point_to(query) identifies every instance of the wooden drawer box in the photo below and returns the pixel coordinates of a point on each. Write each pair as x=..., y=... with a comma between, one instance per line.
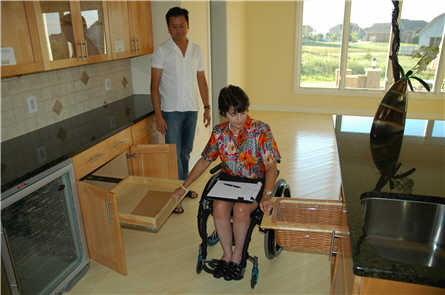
x=101, y=153
x=306, y=225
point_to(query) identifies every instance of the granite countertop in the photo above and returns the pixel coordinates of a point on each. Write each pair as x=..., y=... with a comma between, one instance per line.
x=28, y=155
x=360, y=175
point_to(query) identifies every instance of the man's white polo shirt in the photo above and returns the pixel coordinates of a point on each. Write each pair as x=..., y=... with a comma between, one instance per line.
x=178, y=81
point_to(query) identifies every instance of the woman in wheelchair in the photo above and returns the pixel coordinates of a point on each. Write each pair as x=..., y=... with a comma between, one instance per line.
x=247, y=149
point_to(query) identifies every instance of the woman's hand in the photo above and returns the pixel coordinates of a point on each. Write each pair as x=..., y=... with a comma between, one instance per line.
x=179, y=193
x=266, y=204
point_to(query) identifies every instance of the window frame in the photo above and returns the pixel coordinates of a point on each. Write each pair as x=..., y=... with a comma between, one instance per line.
x=439, y=74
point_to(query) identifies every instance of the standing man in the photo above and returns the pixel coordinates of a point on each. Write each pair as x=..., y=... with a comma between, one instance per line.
x=176, y=67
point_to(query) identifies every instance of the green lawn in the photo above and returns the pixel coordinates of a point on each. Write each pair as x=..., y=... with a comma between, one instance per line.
x=321, y=59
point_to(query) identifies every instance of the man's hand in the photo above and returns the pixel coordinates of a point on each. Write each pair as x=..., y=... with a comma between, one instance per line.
x=206, y=119
x=161, y=125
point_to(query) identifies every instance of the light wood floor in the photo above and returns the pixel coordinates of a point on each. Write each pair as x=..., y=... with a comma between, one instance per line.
x=165, y=262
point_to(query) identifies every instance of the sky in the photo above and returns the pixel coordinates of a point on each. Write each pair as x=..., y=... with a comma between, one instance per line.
x=324, y=14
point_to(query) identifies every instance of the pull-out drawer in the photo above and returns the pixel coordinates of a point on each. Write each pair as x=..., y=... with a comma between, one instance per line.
x=101, y=153
x=306, y=225
x=143, y=202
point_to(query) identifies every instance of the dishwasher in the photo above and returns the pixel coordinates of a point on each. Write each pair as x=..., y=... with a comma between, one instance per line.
x=43, y=243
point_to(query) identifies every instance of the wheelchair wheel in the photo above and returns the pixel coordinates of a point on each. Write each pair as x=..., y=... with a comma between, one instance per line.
x=254, y=277
x=271, y=248
x=213, y=238
x=199, y=265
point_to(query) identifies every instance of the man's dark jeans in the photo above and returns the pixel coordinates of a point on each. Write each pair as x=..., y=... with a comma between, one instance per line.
x=181, y=131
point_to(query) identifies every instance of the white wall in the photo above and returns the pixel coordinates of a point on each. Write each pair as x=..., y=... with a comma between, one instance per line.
x=141, y=65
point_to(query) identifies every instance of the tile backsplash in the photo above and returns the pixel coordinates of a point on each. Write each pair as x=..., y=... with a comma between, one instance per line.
x=60, y=94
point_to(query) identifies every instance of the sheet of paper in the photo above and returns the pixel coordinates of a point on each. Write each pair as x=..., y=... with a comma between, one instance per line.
x=235, y=190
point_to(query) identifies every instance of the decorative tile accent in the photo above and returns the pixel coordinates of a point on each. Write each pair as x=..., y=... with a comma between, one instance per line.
x=57, y=107
x=84, y=78
x=124, y=82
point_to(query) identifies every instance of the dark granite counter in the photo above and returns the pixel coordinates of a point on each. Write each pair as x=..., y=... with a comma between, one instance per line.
x=360, y=175
x=25, y=156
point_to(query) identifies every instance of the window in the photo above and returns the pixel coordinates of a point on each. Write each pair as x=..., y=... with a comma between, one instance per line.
x=363, y=124
x=346, y=44
x=439, y=129
x=415, y=127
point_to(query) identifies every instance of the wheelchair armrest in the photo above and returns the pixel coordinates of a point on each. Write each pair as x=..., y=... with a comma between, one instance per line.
x=216, y=168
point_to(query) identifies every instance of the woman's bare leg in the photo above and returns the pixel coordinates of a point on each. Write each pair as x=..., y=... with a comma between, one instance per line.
x=221, y=219
x=241, y=222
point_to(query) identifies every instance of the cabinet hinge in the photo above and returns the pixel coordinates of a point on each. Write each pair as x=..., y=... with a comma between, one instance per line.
x=133, y=155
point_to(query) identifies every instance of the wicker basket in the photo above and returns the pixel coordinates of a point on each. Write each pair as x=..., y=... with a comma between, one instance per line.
x=308, y=226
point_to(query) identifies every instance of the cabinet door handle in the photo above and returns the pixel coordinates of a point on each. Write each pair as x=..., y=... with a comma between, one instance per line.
x=81, y=50
x=86, y=48
x=96, y=157
x=137, y=46
x=119, y=144
x=107, y=210
x=134, y=47
x=331, y=251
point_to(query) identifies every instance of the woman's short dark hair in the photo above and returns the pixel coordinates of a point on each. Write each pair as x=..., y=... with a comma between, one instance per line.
x=177, y=11
x=232, y=96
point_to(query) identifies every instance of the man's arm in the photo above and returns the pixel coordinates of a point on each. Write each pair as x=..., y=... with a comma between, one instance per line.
x=156, y=75
x=204, y=92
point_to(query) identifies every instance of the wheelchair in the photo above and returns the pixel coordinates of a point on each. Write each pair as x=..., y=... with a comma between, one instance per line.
x=271, y=248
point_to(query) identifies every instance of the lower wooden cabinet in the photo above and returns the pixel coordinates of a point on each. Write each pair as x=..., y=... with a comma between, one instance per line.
x=144, y=131
x=141, y=199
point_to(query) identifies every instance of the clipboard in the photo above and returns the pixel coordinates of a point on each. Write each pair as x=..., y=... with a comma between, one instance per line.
x=236, y=189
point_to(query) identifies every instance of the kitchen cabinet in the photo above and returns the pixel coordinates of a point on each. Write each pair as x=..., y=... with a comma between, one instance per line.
x=140, y=200
x=21, y=52
x=143, y=132
x=72, y=33
x=141, y=31
x=131, y=28
x=49, y=35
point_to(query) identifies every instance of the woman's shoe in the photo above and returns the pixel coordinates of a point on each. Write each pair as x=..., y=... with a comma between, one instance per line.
x=191, y=195
x=220, y=269
x=234, y=272
x=178, y=210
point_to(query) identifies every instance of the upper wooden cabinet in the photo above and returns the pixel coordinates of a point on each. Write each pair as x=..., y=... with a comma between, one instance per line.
x=131, y=28
x=48, y=35
x=20, y=44
x=72, y=33
x=141, y=31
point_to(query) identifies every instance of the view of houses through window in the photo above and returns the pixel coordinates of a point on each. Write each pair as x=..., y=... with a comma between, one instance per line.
x=363, y=57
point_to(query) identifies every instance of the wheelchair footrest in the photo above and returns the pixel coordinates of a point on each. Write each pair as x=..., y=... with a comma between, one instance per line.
x=214, y=267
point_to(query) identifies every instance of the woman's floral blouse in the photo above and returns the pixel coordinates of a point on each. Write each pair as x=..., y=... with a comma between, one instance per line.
x=246, y=155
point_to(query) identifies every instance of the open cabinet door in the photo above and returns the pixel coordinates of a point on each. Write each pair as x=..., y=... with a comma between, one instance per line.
x=154, y=160
x=102, y=226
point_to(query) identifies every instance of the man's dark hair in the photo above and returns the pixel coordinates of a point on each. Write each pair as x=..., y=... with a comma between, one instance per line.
x=232, y=96
x=177, y=11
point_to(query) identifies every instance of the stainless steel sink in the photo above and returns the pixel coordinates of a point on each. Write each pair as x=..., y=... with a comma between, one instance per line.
x=406, y=228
